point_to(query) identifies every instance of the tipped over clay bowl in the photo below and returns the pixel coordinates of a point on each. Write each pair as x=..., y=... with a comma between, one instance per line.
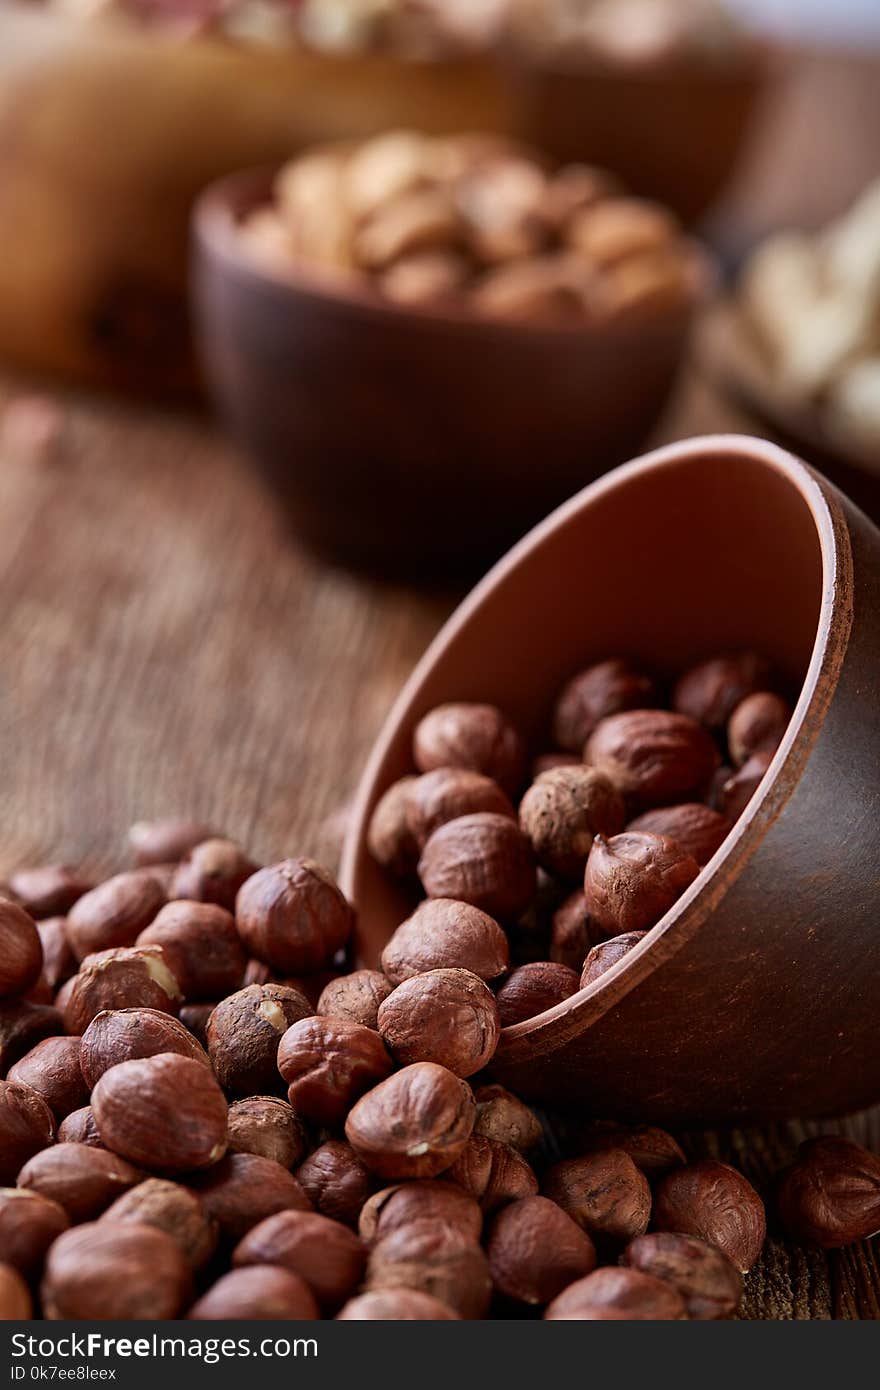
x=756, y=997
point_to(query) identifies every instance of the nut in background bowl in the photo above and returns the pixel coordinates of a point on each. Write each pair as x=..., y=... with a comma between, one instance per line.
x=410, y=440
x=755, y=997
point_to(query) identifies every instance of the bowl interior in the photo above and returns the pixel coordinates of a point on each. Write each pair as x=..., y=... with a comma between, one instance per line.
x=699, y=548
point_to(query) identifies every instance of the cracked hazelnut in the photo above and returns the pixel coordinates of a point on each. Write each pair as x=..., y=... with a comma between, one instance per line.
x=82, y=1180
x=432, y=1258
x=52, y=1069
x=119, y=1035
x=59, y=962
x=336, y=1182
x=201, y=946
x=653, y=756
x=29, y=1223
x=79, y=1128
x=172, y=1208
x=571, y=935
x=695, y=828
x=608, y=953
x=443, y=934
x=15, y=1298
x=121, y=978
x=165, y=841
x=605, y=1193
x=830, y=1196
x=268, y=1126
x=535, y=1251
x=244, y=1189
x=426, y=1199
x=212, y=872
x=713, y=1201
x=563, y=812
x=476, y=737
x=448, y=793
x=396, y=1305
x=413, y=1125
x=22, y=1026
x=355, y=997
x=326, y=1254
x=165, y=1113
x=292, y=916
x=115, y=1272
x=504, y=1118
x=709, y=1283
x=114, y=913
x=244, y=1032
x=711, y=690
x=609, y=687
x=262, y=1293
x=757, y=725
x=26, y=1126
x=194, y=1018
x=21, y=953
x=493, y=1173
x=739, y=789
x=533, y=988
x=624, y=1295
x=483, y=859
x=390, y=837
x=49, y=890
x=328, y=1063
x=443, y=1016
x=633, y=879
x=652, y=1150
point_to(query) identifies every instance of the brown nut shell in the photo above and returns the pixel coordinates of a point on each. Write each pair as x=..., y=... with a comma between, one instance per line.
x=324, y=1253
x=268, y=1126
x=425, y=1199
x=29, y=1223
x=443, y=1016
x=212, y=872
x=536, y=1250
x=652, y=1150
x=433, y=1258
x=15, y=1297
x=476, y=737
x=571, y=932
x=201, y=946
x=355, y=997
x=121, y=978
x=448, y=793
x=165, y=841
x=713, y=1201
x=757, y=725
x=49, y=890
x=22, y=1026
x=442, y=934
x=172, y=1208
x=609, y=687
x=605, y=1193
x=562, y=813
x=336, y=1181
x=328, y=1063
x=707, y=1280
x=82, y=1180
x=293, y=916
x=165, y=1113
x=415, y=1124
x=482, y=859
x=27, y=1125
x=21, y=952
x=607, y=954
x=504, y=1118
x=710, y=691
x=59, y=962
x=244, y=1033
x=633, y=879
x=533, y=988
x=696, y=828
x=390, y=837
x=494, y=1174
x=52, y=1069
x=831, y=1195
x=119, y=1035
x=114, y=914
x=244, y=1189
x=79, y=1128
x=653, y=757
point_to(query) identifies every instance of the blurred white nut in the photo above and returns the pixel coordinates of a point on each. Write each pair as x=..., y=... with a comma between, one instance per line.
x=384, y=168
x=619, y=227
x=425, y=278
x=501, y=204
x=546, y=287
x=854, y=406
x=414, y=222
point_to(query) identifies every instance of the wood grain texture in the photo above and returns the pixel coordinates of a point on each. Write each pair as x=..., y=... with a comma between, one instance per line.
x=165, y=648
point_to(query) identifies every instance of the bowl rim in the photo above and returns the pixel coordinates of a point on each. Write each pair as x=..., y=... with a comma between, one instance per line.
x=216, y=215
x=546, y=1032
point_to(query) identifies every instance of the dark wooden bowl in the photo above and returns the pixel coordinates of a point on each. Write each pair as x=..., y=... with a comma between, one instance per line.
x=413, y=440
x=756, y=996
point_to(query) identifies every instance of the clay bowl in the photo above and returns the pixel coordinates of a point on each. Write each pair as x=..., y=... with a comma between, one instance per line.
x=411, y=440
x=756, y=996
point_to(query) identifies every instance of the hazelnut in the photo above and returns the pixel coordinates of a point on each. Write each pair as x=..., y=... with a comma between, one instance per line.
x=501, y=199
x=194, y=1018
x=212, y=872
x=22, y=1026
x=244, y=1032
x=757, y=725
x=21, y=954
x=609, y=687
x=713, y=1201
x=52, y=1069
x=171, y=1208
x=493, y=1173
x=29, y=1223
x=614, y=229
x=573, y=188
x=475, y=737
x=115, y=1272
x=695, y=828
x=41, y=992
x=546, y=762
x=49, y=890
x=262, y=1293
x=441, y=934
x=126, y=977
x=564, y=811
x=831, y=1195
x=633, y=879
x=201, y=946
x=711, y=690
x=483, y=859
x=443, y=1016
x=448, y=793
x=26, y=1126
x=355, y=997
x=336, y=1182
x=79, y=1128
x=118, y=1035
x=166, y=1113
x=396, y=1305
x=571, y=935
x=82, y=1180
x=244, y=1189
x=533, y=988
x=505, y=1119
x=607, y=954
x=165, y=841
x=709, y=1284
x=59, y=962
x=423, y=220
x=328, y=1063
x=653, y=756
x=390, y=837
x=266, y=1125
x=432, y=1258
x=653, y=1151
x=326, y=1254
x=624, y=1295
x=413, y=1125
x=605, y=1193
x=536, y=1250
x=739, y=789
x=15, y=1298
x=293, y=916
x=114, y=913
x=426, y=1199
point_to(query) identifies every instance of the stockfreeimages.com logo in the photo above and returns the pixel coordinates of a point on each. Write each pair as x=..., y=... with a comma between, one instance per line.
x=210, y=1350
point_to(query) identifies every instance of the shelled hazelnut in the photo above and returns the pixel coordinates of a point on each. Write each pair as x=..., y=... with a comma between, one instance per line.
x=757, y=725
x=413, y=1125
x=571, y=931
x=22, y=1026
x=79, y=1128
x=716, y=1203
x=115, y=1271
x=474, y=737
x=49, y=890
x=244, y=1189
x=602, y=957
x=443, y=1016
x=15, y=1298
x=201, y=946
x=166, y=841
x=165, y=1113
x=533, y=988
x=59, y=962
x=82, y=1180
x=390, y=836
x=830, y=1196
x=325, y=1254
x=336, y=1181
x=653, y=756
x=443, y=934
x=482, y=859
x=618, y=1294
x=633, y=879
x=707, y=1280
x=268, y=1126
x=172, y=1208
x=536, y=1250
x=605, y=1193
x=292, y=916
x=113, y=914
x=432, y=1258
x=424, y=1199
x=609, y=687
x=327, y=1064
x=740, y=787
x=652, y=1150
x=710, y=691
x=21, y=953
x=256, y=1293
x=212, y=872
x=244, y=1032
x=26, y=1126
x=29, y=1223
x=448, y=793
x=504, y=1118
x=53, y=1070
x=396, y=1305
x=122, y=977
x=356, y=997
x=493, y=1173
x=562, y=813
x=694, y=827
x=120, y=1035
